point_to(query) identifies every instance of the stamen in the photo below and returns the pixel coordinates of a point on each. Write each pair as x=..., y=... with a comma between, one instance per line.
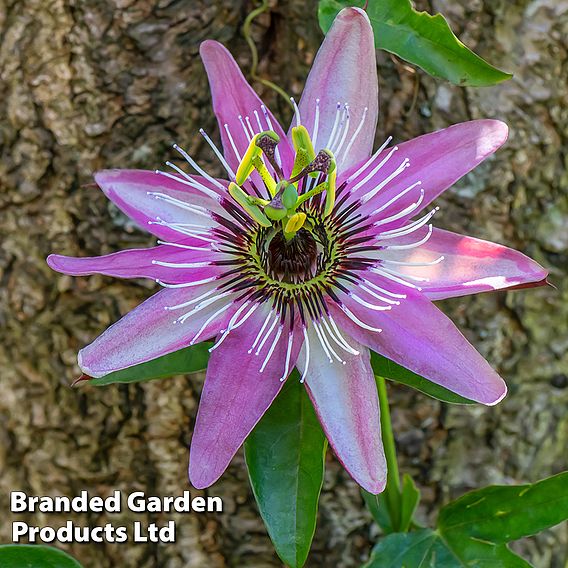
x=185, y=247
x=355, y=134
x=402, y=263
x=232, y=325
x=181, y=264
x=370, y=194
x=188, y=181
x=296, y=111
x=245, y=129
x=202, y=306
x=288, y=355
x=322, y=343
x=272, y=348
x=190, y=302
x=357, y=321
x=394, y=278
x=316, y=124
x=407, y=211
x=307, y=346
x=217, y=152
x=374, y=170
x=206, y=323
x=338, y=338
x=396, y=198
x=187, y=284
x=412, y=245
x=410, y=228
x=369, y=161
x=327, y=343
x=270, y=127
x=261, y=331
x=197, y=209
x=197, y=168
x=384, y=291
x=374, y=307
x=345, y=131
x=378, y=296
x=268, y=334
x=233, y=145
x=251, y=129
x=335, y=125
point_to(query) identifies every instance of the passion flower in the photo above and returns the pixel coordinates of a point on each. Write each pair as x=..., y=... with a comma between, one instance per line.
x=305, y=256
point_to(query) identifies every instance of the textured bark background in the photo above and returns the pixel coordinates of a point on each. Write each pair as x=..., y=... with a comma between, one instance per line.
x=90, y=84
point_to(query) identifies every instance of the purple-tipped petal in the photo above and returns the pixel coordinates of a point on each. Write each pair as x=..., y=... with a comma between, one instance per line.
x=232, y=98
x=344, y=71
x=139, y=263
x=346, y=402
x=149, y=331
x=236, y=394
x=418, y=336
x=437, y=160
x=131, y=191
x=469, y=265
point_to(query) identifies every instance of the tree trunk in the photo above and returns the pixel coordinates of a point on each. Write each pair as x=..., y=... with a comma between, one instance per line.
x=92, y=84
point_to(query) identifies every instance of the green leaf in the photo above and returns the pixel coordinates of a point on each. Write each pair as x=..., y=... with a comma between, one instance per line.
x=379, y=510
x=390, y=370
x=187, y=360
x=426, y=548
x=34, y=556
x=496, y=515
x=421, y=39
x=418, y=549
x=410, y=497
x=285, y=458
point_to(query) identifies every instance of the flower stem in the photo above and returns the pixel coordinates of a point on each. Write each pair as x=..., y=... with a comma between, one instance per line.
x=392, y=490
x=254, y=52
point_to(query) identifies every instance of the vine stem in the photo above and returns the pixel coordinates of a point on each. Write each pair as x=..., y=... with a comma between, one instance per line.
x=254, y=52
x=392, y=490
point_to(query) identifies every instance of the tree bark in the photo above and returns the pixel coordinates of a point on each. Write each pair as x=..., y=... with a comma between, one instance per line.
x=92, y=84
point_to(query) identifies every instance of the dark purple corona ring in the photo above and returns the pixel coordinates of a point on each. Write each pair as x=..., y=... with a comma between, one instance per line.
x=313, y=251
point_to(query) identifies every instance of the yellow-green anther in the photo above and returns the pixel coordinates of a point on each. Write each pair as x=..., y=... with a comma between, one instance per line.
x=330, y=192
x=246, y=166
x=290, y=196
x=264, y=174
x=317, y=189
x=268, y=138
x=302, y=141
x=295, y=223
x=304, y=149
x=243, y=199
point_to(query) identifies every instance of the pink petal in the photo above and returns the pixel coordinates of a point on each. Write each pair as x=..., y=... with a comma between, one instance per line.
x=149, y=331
x=344, y=71
x=129, y=189
x=233, y=97
x=138, y=263
x=437, y=160
x=469, y=266
x=418, y=336
x=346, y=401
x=235, y=396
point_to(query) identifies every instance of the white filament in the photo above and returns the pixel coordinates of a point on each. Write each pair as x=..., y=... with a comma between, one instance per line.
x=407, y=229
x=218, y=153
x=316, y=124
x=370, y=194
x=335, y=125
x=395, y=198
x=288, y=355
x=206, y=323
x=338, y=338
x=261, y=331
x=197, y=168
x=378, y=296
x=403, y=213
x=394, y=278
x=357, y=321
x=413, y=245
x=355, y=134
x=187, y=284
x=387, y=292
x=374, y=307
x=369, y=161
x=245, y=129
x=404, y=263
x=272, y=348
x=187, y=180
x=307, y=347
x=337, y=150
x=296, y=112
x=268, y=334
x=374, y=170
x=233, y=145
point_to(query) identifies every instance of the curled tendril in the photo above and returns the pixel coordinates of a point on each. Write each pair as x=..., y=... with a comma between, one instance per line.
x=254, y=52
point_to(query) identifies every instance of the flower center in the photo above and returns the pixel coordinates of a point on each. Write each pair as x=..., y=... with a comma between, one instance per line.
x=293, y=260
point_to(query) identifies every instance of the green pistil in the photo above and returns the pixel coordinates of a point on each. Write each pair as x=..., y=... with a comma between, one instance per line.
x=285, y=201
